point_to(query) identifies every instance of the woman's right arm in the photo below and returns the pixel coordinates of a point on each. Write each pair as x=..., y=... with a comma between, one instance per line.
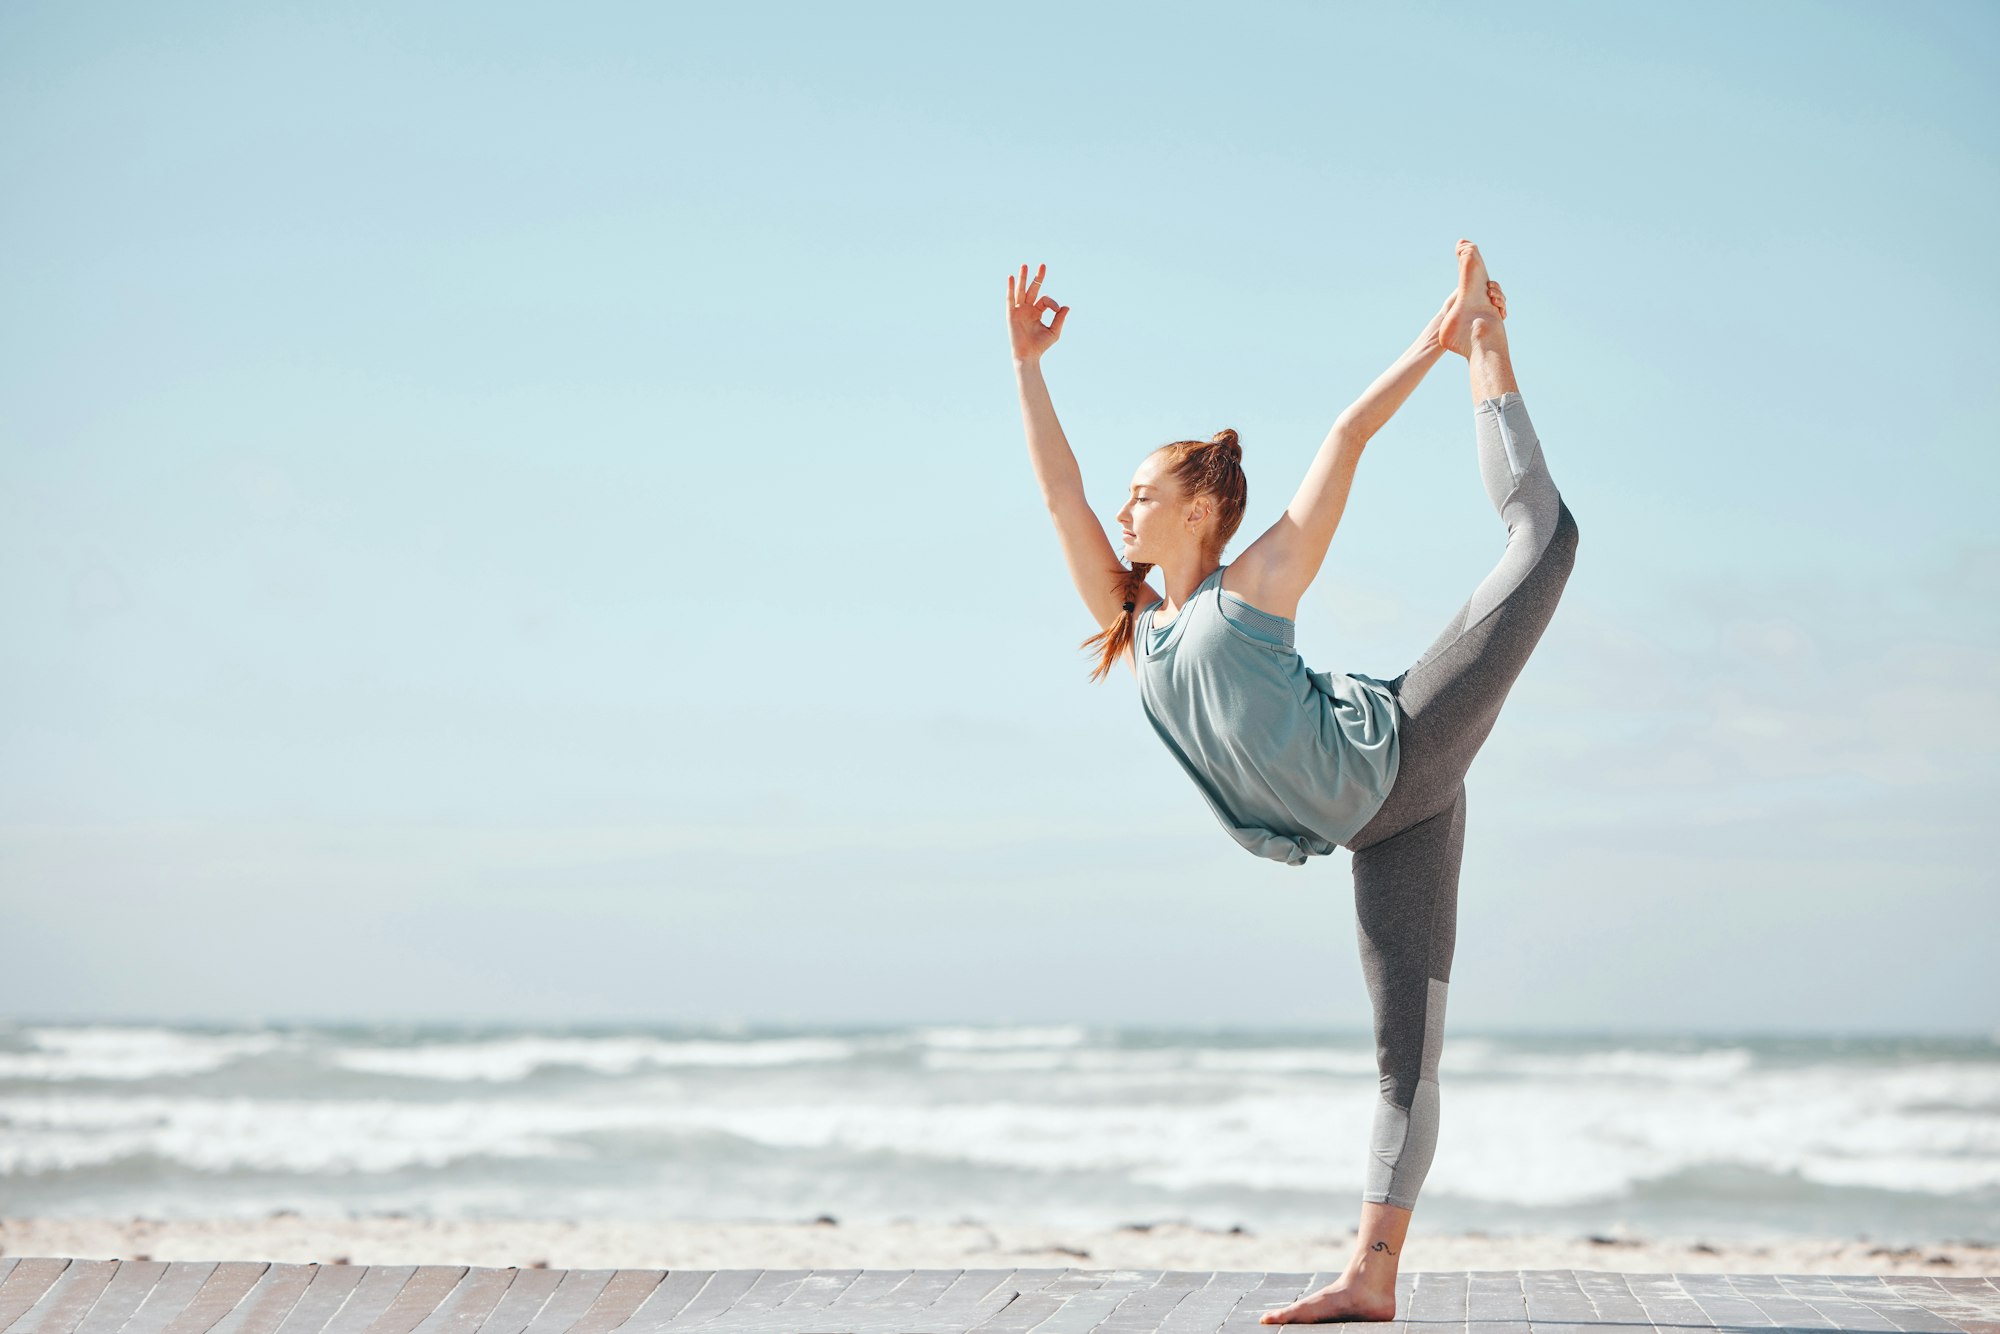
x=1096, y=570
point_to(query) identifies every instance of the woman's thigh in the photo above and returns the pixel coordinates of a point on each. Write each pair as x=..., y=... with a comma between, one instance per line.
x=1450, y=699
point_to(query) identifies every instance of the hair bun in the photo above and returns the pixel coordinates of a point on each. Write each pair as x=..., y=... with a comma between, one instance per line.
x=1226, y=439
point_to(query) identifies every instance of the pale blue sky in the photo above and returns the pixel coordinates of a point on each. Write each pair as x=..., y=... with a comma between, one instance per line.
x=521, y=511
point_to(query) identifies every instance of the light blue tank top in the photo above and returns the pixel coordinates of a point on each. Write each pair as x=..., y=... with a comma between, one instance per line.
x=1293, y=762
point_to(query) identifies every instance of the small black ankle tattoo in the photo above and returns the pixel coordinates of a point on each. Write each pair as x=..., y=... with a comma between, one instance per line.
x=1382, y=1246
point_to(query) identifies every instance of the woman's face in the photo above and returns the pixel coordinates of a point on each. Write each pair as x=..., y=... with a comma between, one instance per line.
x=1154, y=522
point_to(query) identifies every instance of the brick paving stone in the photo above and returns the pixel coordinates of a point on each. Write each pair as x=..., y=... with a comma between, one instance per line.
x=1611, y=1296
x=1495, y=1302
x=572, y=1297
x=67, y=1300
x=1666, y=1302
x=425, y=1288
x=1900, y=1313
x=1780, y=1306
x=25, y=1284
x=168, y=1298
x=220, y=1292
x=1081, y=1313
x=122, y=1296
x=872, y=1285
x=1722, y=1306
x=1023, y=1313
x=716, y=1296
x=1556, y=1303
x=329, y=1290
x=1144, y=1309
x=920, y=1290
x=1208, y=1306
x=623, y=1293
x=818, y=1290
x=1272, y=1291
x=266, y=1305
x=522, y=1302
x=466, y=1308
x=371, y=1297
x=1437, y=1301
x=666, y=1302
x=1823, y=1293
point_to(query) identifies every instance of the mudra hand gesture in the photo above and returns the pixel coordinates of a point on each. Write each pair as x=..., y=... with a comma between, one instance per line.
x=1025, y=305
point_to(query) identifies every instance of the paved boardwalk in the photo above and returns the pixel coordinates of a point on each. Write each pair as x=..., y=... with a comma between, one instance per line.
x=57, y=1296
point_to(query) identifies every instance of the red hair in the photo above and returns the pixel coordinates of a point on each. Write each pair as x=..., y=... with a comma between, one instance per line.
x=1212, y=468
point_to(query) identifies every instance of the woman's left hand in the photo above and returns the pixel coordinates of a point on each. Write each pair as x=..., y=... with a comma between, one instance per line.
x=1024, y=316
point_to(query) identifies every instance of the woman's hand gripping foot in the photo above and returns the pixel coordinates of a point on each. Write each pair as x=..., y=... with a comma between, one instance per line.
x=1478, y=297
x=1432, y=333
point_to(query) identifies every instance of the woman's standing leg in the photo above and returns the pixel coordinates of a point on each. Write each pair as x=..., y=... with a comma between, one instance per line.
x=1406, y=914
x=1406, y=908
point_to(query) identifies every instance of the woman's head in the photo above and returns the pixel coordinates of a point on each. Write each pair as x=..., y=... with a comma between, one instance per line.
x=1186, y=502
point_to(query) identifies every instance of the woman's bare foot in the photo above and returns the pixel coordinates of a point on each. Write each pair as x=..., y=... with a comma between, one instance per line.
x=1471, y=302
x=1346, y=1298
x=1493, y=294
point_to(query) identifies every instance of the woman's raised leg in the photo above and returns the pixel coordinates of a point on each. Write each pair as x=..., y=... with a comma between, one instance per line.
x=1451, y=697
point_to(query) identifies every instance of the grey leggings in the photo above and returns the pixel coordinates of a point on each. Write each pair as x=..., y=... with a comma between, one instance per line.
x=1406, y=857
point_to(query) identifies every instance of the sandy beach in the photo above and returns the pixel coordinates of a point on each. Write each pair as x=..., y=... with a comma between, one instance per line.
x=391, y=1239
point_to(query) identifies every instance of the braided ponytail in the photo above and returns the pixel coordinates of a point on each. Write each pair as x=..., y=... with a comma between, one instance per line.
x=1116, y=639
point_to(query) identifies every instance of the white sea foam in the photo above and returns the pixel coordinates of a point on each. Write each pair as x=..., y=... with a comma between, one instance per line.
x=1508, y=1142
x=1564, y=1124
x=1137, y=1062
x=1285, y=1061
x=248, y=1134
x=1148, y=1144
x=1469, y=1058
x=107, y=1052
x=1527, y=1144
x=1484, y=1056
x=503, y=1060
x=998, y=1060
x=1049, y=1035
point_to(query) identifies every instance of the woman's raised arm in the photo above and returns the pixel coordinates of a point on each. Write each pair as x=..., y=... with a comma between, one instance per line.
x=1275, y=570
x=1096, y=570
x=1055, y=466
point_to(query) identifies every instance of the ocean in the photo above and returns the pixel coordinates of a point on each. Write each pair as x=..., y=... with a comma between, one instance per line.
x=1894, y=1139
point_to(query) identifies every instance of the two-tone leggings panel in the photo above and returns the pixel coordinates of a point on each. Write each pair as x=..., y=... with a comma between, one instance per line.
x=1406, y=858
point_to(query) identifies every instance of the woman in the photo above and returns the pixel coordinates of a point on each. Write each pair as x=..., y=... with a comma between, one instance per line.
x=1295, y=763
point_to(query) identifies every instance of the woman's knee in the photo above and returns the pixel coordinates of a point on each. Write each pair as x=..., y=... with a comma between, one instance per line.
x=1565, y=534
